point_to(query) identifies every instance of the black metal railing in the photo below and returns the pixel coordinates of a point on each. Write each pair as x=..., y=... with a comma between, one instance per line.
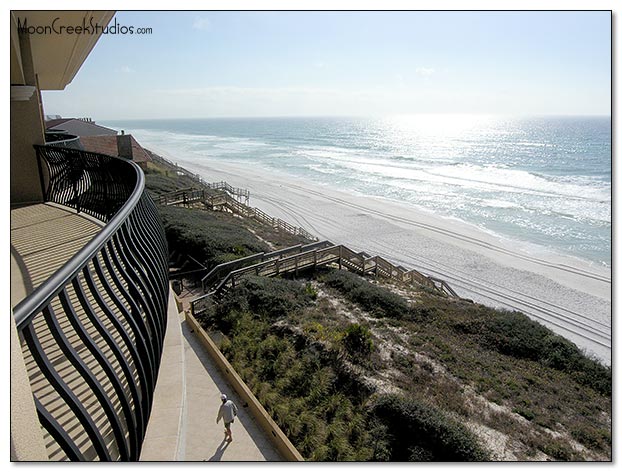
x=92, y=334
x=62, y=139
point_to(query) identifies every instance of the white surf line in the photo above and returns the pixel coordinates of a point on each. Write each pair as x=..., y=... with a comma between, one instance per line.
x=497, y=297
x=478, y=242
x=501, y=186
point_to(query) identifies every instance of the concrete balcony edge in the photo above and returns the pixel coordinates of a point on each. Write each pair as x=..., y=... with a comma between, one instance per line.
x=27, y=443
x=164, y=440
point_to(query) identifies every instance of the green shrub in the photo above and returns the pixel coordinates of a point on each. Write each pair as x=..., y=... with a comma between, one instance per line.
x=311, y=291
x=422, y=432
x=558, y=450
x=357, y=340
x=160, y=180
x=209, y=237
x=525, y=413
x=268, y=297
x=301, y=390
x=593, y=374
x=378, y=301
x=421, y=313
x=592, y=437
x=516, y=335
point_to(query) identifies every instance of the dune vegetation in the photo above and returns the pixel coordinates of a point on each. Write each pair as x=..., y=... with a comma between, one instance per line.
x=364, y=369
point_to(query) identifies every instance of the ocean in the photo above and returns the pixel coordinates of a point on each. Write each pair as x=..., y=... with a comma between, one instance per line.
x=541, y=181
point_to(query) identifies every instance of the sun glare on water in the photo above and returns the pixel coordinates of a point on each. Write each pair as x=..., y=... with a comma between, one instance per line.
x=437, y=125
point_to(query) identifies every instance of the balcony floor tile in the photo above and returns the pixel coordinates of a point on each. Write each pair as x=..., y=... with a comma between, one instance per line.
x=43, y=237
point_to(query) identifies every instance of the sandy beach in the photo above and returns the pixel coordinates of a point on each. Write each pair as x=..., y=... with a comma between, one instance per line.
x=569, y=295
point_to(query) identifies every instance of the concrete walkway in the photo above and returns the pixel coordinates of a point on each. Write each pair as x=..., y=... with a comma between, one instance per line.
x=201, y=438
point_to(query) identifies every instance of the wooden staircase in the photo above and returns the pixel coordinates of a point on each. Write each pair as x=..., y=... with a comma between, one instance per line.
x=284, y=261
x=225, y=198
x=294, y=259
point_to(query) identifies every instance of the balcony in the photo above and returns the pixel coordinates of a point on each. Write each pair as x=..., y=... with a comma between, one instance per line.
x=89, y=292
x=62, y=139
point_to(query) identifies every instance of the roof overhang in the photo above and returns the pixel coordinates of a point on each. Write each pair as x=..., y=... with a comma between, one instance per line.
x=59, y=43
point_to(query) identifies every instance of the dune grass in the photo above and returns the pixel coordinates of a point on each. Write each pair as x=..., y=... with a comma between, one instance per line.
x=209, y=237
x=443, y=372
x=311, y=352
x=314, y=396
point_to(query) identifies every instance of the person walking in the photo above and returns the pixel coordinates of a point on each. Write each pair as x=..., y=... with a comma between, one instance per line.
x=227, y=411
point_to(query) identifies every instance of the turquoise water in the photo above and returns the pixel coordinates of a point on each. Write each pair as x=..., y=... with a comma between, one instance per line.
x=540, y=180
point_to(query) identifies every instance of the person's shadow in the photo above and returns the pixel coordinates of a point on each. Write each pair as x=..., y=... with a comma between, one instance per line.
x=220, y=450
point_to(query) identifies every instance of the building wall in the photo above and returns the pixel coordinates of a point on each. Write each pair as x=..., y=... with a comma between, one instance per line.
x=26, y=129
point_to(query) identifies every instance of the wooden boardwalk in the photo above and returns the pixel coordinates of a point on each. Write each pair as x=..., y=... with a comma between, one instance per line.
x=227, y=200
x=289, y=260
x=299, y=258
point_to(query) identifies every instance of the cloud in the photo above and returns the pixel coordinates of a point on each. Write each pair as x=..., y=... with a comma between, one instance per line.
x=126, y=69
x=202, y=24
x=424, y=71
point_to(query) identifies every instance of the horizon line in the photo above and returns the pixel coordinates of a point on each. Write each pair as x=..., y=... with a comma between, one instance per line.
x=388, y=115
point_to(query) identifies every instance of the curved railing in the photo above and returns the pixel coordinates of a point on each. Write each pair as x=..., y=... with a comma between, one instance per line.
x=62, y=139
x=92, y=334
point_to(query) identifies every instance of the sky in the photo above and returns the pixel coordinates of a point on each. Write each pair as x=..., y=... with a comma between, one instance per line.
x=276, y=63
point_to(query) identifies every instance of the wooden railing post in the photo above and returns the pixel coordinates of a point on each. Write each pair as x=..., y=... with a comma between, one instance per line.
x=340, y=256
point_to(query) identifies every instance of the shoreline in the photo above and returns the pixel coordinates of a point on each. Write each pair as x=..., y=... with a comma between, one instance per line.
x=567, y=294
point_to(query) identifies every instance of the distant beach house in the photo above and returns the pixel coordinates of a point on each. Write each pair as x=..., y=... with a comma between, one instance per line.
x=122, y=145
x=98, y=138
x=79, y=127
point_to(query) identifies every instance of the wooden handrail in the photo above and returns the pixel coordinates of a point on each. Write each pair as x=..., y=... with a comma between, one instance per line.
x=318, y=255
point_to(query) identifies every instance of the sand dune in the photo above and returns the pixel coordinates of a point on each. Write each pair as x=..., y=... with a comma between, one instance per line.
x=571, y=296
